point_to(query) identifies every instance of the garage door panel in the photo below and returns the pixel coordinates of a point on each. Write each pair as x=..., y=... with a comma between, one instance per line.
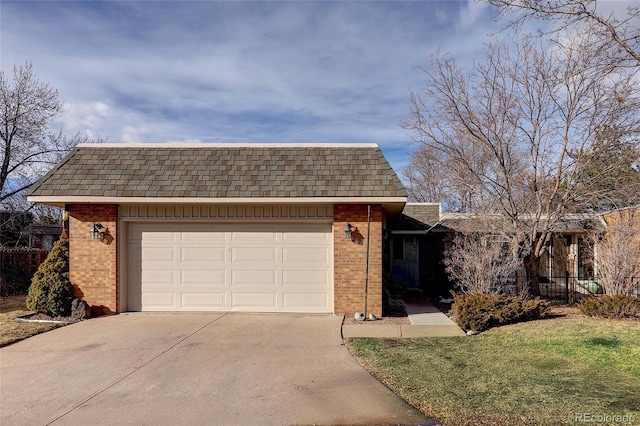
x=305, y=254
x=198, y=301
x=155, y=234
x=254, y=254
x=158, y=254
x=307, y=234
x=158, y=301
x=245, y=267
x=312, y=302
x=305, y=278
x=253, y=278
x=188, y=236
x=207, y=277
x=254, y=300
x=152, y=233
x=202, y=254
x=157, y=277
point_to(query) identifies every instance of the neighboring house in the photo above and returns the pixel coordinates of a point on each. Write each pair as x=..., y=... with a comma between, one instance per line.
x=225, y=227
x=420, y=235
x=43, y=235
x=625, y=223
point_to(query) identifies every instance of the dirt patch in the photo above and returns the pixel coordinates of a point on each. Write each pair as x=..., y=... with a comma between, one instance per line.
x=12, y=303
x=565, y=311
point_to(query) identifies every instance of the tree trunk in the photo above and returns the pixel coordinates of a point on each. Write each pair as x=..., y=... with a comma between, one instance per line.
x=532, y=266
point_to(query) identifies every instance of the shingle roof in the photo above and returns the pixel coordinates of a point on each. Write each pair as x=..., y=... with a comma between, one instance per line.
x=569, y=223
x=221, y=171
x=417, y=217
x=427, y=216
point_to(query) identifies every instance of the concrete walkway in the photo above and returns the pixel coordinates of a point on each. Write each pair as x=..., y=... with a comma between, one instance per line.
x=426, y=321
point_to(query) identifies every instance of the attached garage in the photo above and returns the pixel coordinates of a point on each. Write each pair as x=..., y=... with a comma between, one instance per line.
x=229, y=267
x=225, y=227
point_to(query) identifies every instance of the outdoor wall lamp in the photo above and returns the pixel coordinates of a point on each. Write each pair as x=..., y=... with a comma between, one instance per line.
x=347, y=231
x=97, y=231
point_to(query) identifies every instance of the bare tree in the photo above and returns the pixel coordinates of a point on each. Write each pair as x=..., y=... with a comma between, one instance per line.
x=618, y=252
x=615, y=34
x=427, y=183
x=516, y=129
x=28, y=147
x=482, y=261
x=609, y=188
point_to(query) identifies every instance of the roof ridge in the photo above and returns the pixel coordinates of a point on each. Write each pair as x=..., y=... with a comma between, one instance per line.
x=229, y=145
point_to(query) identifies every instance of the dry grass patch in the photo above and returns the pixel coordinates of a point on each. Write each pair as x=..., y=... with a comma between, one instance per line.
x=13, y=330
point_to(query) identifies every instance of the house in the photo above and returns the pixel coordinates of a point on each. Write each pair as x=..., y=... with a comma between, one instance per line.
x=419, y=237
x=225, y=227
x=43, y=235
x=24, y=245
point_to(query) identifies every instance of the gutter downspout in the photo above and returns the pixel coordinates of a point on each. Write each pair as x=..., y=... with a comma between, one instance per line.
x=366, y=276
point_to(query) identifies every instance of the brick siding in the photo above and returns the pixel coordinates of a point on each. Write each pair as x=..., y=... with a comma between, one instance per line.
x=350, y=260
x=93, y=264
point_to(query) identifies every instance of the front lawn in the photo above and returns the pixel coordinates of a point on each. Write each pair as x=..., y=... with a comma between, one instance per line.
x=12, y=329
x=542, y=372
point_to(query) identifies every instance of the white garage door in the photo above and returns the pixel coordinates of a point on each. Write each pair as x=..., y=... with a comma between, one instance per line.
x=230, y=267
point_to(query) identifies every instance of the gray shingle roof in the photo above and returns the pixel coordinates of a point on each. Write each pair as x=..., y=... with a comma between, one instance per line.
x=224, y=171
x=417, y=217
x=569, y=223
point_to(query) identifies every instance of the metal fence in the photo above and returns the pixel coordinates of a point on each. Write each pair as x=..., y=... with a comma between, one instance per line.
x=569, y=288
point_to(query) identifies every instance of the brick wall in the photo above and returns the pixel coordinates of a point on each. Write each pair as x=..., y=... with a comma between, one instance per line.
x=350, y=260
x=93, y=264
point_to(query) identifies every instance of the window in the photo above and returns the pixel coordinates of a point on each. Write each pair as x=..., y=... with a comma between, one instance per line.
x=585, y=258
x=405, y=248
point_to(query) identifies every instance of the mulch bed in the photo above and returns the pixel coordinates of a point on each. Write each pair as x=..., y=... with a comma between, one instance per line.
x=40, y=317
x=349, y=320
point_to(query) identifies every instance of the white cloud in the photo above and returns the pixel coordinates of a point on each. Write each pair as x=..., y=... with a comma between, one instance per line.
x=132, y=134
x=84, y=117
x=471, y=13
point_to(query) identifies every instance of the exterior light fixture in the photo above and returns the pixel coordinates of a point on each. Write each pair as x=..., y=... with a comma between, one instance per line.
x=97, y=232
x=347, y=231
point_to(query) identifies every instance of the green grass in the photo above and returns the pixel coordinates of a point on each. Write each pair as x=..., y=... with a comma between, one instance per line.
x=541, y=372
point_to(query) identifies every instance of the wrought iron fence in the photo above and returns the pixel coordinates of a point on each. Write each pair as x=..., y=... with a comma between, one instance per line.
x=569, y=288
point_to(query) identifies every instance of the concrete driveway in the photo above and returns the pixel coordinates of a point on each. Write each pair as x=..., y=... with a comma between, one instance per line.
x=193, y=369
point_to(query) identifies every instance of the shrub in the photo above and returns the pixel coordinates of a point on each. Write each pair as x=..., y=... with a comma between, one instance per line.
x=614, y=307
x=479, y=262
x=479, y=312
x=50, y=291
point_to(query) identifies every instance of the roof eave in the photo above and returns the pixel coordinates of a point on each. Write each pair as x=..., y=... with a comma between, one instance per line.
x=392, y=205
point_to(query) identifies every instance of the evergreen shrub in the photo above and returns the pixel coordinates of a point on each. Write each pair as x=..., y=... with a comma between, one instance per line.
x=614, y=307
x=51, y=291
x=480, y=312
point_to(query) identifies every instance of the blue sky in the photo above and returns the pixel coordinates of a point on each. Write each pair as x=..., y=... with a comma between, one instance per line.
x=295, y=71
